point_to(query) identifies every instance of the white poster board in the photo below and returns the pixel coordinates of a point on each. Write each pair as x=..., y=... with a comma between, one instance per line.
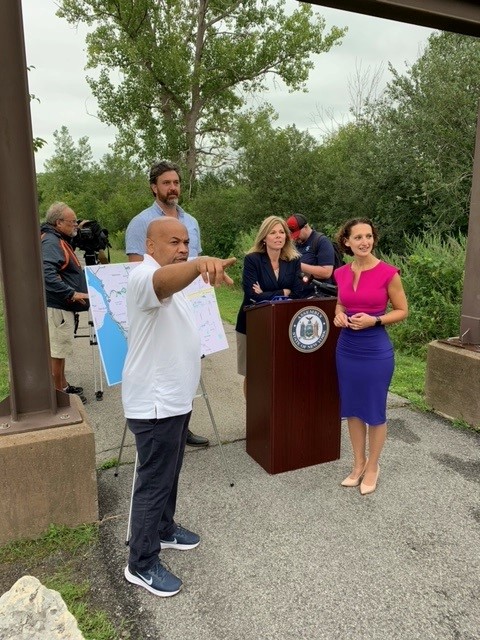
x=107, y=287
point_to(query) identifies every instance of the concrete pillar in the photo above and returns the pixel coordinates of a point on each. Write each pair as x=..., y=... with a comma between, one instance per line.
x=452, y=382
x=47, y=477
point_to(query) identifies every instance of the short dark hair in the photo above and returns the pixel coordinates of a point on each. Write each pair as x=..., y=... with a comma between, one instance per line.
x=345, y=230
x=162, y=167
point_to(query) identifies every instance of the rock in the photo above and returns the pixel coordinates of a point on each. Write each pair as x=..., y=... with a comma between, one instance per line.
x=30, y=611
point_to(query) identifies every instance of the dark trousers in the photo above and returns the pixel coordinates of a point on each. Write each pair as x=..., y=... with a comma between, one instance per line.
x=160, y=448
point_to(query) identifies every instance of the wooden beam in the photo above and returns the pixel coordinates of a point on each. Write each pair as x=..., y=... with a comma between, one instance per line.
x=459, y=16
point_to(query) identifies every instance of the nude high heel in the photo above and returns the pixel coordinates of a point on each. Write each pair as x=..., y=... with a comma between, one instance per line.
x=369, y=488
x=353, y=482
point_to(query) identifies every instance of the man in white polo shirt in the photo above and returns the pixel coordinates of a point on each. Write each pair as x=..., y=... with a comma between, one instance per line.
x=160, y=379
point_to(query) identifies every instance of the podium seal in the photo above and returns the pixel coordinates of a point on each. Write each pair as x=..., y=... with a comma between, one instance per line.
x=309, y=329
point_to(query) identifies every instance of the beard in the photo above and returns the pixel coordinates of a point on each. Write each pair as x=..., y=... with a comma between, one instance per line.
x=170, y=200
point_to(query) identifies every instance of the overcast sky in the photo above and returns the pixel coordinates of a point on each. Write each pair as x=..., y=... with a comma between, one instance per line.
x=57, y=51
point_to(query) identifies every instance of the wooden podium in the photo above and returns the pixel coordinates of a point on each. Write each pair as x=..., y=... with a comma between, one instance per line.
x=293, y=409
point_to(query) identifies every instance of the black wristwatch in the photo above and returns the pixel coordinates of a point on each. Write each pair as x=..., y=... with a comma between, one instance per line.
x=378, y=322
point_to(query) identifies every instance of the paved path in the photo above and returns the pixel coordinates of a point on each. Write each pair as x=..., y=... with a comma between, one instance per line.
x=295, y=555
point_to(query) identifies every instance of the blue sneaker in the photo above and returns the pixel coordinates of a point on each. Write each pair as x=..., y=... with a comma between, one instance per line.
x=181, y=539
x=158, y=580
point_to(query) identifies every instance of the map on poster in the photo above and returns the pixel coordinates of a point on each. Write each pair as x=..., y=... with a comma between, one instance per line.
x=107, y=287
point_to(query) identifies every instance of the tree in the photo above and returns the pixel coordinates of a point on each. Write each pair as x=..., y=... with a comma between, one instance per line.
x=406, y=159
x=281, y=168
x=66, y=171
x=425, y=126
x=174, y=75
x=111, y=191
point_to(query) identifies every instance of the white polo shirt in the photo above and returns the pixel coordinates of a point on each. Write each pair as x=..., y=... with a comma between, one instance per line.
x=162, y=367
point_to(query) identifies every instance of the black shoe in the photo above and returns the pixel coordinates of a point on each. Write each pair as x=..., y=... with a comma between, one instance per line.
x=196, y=441
x=72, y=389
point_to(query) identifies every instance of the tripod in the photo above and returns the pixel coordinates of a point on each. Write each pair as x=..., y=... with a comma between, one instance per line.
x=97, y=369
x=203, y=395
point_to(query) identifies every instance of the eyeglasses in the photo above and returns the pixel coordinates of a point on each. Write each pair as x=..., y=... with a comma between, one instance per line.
x=69, y=221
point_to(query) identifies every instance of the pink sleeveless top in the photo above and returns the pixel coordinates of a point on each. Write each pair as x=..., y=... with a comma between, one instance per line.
x=371, y=295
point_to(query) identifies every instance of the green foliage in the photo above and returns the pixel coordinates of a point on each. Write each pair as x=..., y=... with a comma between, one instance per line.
x=111, y=192
x=175, y=75
x=220, y=211
x=117, y=240
x=118, y=255
x=283, y=170
x=432, y=274
x=243, y=243
x=424, y=134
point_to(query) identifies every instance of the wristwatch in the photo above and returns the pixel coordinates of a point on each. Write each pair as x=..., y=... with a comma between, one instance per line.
x=378, y=322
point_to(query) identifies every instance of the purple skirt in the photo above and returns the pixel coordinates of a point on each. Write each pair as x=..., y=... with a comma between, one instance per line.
x=365, y=364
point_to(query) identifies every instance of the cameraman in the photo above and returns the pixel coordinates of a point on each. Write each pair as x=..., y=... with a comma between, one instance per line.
x=65, y=288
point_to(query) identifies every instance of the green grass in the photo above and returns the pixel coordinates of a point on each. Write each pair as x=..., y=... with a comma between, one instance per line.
x=118, y=255
x=56, y=538
x=93, y=624
x=409, y=379
x=229, y=300
x=109, y=464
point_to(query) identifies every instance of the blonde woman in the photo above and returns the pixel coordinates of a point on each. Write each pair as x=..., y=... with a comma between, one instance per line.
x=271, y=268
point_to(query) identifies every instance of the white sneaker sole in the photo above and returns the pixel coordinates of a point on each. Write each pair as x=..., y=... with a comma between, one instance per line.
x=141, y=583
x=180, y=547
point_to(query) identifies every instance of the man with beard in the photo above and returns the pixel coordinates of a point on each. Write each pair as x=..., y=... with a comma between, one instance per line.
x=65, y=288
x=166, y=188
x=159, y=382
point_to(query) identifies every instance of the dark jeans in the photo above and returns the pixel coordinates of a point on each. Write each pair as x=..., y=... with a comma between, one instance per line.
x=160, y=447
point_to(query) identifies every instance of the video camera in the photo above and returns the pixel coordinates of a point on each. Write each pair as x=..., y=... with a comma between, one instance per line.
x=91, y=238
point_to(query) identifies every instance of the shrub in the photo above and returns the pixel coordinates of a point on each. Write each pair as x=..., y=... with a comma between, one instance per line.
x=220, y=215
x=243, y=243
x=432, y=274
x=117, y=239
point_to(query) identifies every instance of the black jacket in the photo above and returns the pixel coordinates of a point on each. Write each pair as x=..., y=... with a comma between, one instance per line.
x=62, y=271
x=257, y=268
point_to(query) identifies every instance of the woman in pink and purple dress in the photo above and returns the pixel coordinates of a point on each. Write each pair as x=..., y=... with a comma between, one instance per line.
x=365, y=361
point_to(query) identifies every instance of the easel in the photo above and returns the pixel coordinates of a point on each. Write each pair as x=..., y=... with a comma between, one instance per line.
x=203, y=395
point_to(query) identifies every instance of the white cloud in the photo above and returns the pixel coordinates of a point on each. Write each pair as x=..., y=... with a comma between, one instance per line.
x=57, y=51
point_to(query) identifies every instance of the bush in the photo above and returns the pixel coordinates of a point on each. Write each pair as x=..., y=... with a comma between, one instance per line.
x=432, y=275
x=243, y=243
x=220, y=212
x=117, y=239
